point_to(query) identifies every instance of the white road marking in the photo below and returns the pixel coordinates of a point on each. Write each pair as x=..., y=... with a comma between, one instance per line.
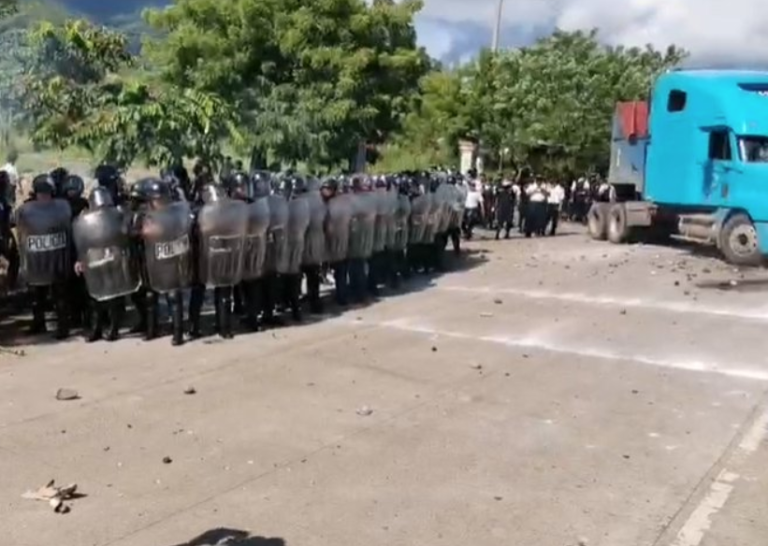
x=760, y=314
x=534, y=342
x=699, y=522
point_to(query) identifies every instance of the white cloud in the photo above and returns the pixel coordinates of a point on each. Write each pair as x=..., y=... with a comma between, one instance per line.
x=714, y=31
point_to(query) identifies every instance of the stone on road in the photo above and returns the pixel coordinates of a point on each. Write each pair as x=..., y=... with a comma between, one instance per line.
x=616, y=398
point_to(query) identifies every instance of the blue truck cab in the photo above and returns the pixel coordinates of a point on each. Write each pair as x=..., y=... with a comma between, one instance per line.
x=693, y=164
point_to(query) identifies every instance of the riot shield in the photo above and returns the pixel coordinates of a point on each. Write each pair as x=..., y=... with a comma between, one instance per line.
x=296, y=231
x=276, y=237
x=167, y=249
x=433, y=218
x=338, y=227
x=444, y=195
x=221, y=225
x=402, y=218
x=361, y=229
x=44, y=241
x=391, y=208
x=418, y=220
x=380, y=222
x=104, y=249
x=255, y=248
x=314, y=244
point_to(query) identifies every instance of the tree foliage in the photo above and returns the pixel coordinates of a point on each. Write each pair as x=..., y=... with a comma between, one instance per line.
x=73, y=95
x=314, y=77
x=549, y=104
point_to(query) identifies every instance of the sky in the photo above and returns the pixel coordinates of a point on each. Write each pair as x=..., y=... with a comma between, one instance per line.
x=718, y=33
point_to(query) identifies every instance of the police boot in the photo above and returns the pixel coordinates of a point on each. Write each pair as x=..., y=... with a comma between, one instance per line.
x=114, y=319
x=152, y=322
x=225, y=308
x=251, y=300
x=62, y=315
x=95, y=320
x=238, y=299
x=313, y=289
x=293, y=295
x=38, y=311
x=178, y=319
x=139, y=300
x=196, y=298
x=269, y=295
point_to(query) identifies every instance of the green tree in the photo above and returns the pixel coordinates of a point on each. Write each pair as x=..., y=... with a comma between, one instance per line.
x=73, y=95
x=313, y=77
x=549, y=104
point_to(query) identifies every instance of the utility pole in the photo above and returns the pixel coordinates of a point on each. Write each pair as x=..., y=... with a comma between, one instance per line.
x=497, y=26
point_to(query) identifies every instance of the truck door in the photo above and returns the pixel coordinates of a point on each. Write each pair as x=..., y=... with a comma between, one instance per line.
x=720, y=165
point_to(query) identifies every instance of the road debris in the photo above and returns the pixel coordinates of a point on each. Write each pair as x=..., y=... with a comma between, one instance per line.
x=14, y=352
x=54, y=496
x=365, y=411
x=67, y=395
x=476, y=366
x=486, y=315
x=167, y=460
x=190, y=390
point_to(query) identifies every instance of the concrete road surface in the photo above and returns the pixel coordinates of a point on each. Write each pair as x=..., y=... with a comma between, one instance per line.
x=549, y=392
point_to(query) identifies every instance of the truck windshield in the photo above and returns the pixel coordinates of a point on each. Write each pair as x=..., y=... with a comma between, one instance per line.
x=754, y=149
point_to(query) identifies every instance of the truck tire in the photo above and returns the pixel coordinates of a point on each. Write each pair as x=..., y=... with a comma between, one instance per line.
x=738, y=241
x=597, y=221
x=618, y=232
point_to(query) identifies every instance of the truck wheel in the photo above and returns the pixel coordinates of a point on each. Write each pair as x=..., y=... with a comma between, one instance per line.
x=618, y=232
x=597, y=221
x=738, y=241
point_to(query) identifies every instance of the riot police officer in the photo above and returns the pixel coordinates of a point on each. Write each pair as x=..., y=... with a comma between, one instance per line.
x=315, y=244
x=164, y=226
x=218, y=240
x=105, y=261
x=71, y=188
x=108, y=176
x=44, y=227
x=296, y=231
x=337, y=232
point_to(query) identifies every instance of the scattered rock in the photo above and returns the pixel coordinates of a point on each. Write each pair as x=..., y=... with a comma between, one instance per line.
x=167, y=460
x=626, y=457
x=734, y=282
x=623, y=312
x=434, y=349
x=497, y=499
x=486, y=315
x=365, y=411
x=635, y=391
x=190, y=390
x=67, y=394
x=498, y=301
x=677, y=283
x=476, y=366
x=706, y=271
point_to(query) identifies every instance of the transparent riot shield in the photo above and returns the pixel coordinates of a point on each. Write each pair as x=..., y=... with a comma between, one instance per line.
x=104, y=249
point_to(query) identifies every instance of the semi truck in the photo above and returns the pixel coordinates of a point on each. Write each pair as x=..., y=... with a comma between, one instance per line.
x=691, y=163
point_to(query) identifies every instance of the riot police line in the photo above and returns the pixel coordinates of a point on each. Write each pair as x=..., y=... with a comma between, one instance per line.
x=253, y=239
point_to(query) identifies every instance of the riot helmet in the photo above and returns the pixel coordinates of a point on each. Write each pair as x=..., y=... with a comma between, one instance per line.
x=43, y=184
x=329, y=186
x=241, y=187
x=152, y=189
x=211, y=193
x=100, y=198
x=261, y=181
x=59, y=176
x=73, y=186
x=300, y=185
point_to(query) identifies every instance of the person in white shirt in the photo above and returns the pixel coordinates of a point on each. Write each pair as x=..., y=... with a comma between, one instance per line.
x=473, y=209
x=554, y=205
x=536, y=222
x=13, y=176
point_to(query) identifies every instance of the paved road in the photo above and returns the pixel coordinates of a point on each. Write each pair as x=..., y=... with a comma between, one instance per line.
x=552, y=391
